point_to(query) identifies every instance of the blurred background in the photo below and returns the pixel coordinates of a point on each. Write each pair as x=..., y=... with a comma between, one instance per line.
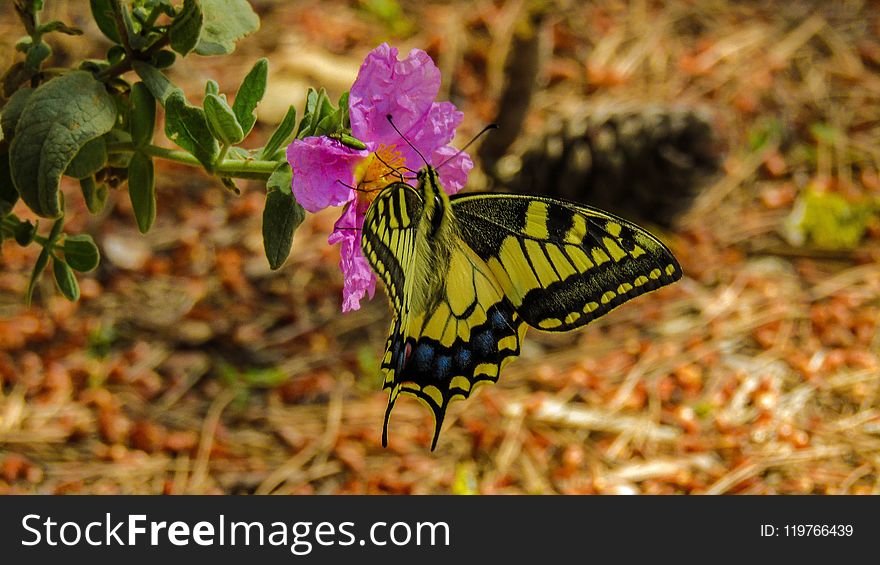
x=745, y=134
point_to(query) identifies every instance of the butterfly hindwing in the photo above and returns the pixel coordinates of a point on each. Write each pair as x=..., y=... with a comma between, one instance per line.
x=466, y=337
x=453, y=326
x=561, y=264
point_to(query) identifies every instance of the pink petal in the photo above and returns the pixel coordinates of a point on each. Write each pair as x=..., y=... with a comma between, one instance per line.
x=320, y=166
x=404, y=89
x=454, y=168
x=358, y=278
x=432, y=133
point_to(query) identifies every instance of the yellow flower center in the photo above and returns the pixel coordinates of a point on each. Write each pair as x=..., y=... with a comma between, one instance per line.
x=377, y=171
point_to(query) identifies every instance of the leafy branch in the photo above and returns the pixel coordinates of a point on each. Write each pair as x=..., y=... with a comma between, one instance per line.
x=95, y=122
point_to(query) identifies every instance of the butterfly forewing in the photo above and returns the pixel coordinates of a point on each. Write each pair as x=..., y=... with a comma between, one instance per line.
x=562, y=265
x=388, y=239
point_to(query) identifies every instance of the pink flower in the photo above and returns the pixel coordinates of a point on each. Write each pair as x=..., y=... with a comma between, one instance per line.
x=324, y=169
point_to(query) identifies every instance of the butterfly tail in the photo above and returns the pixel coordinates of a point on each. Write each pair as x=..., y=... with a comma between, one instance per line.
x=439, y=415
x=392, y=398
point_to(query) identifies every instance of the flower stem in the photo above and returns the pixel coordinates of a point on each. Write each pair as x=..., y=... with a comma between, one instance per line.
x=236, y=168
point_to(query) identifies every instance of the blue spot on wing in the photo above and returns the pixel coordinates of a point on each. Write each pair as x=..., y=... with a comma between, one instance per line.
x=442, y=366
x=484, y=343
x=499, y=320
x=422, y=357
x=463, y=358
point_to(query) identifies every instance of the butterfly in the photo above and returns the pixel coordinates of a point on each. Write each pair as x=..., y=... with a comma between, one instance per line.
x=467, y=274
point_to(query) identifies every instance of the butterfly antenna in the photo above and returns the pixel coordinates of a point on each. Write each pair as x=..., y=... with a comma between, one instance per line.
x=354, y=188
x=469, y=143
x=391, y=170
x=419, y=153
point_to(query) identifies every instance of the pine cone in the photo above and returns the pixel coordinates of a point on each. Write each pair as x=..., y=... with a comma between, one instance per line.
x=646, y=164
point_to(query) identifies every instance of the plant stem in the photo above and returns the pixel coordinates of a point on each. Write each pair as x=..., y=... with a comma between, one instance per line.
x=236, y=168
x=121, y=29
x=222, y=155
x=151, y=19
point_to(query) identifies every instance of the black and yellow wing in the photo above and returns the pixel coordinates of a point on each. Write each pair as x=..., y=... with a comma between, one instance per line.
x=388, y=239
x=562, y=265
x=453, y=326
x=467, y=274
x=464, y=338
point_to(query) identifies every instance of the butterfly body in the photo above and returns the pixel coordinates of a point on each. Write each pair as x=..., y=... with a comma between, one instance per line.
x=467, y=274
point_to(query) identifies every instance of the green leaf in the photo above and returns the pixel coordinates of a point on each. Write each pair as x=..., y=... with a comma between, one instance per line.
x=331, y=123
x=282, y=135
x=94, y=194
x=249, y=94
x=90, y=159
x=828, y=220
x=325, y=107
x=211, y=87
x=222, y=120
x=60, y=27
x=186, y=27
x=308, y=116
x=159, y=85
x=102, y=12
x=115, y=54
x=12, y=111
x=280, y=179
x=187, y=126
x=226, y=21
x=38, y=53
x=239, y=153
x=39, y=267
x=120, y=159
x=24, y=233
x=96, y=66
x=143, y=114
x=24, y=43
x=318, y=110
x=65, y=279
x=123, y=105
x=142, y=190
x=8, y=194
x=59, y=118
x=163, y=59
x=334, y=120
x=81, y=253
x=343, y=107
x=281, y=216
x=135, y=39
x=43, y=259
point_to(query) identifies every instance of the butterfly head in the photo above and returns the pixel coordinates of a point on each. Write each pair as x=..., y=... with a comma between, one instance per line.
x=436, y=202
